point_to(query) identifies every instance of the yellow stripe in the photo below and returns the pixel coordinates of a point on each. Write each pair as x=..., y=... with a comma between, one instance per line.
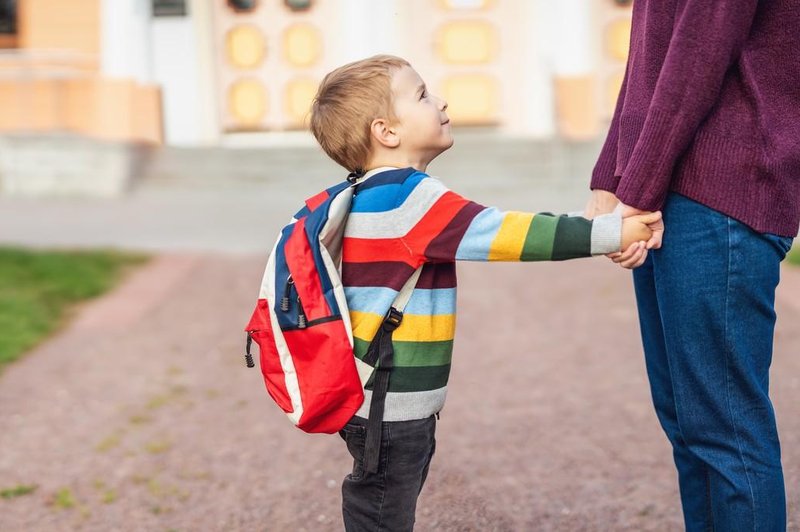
x=510, y=239
x=415, y=328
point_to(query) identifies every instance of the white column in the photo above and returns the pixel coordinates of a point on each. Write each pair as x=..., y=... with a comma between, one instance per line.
x=208, y=120
x=574, y=30
x=531, y=111
x=125, y=39
x=366, y=28
x=175, y=62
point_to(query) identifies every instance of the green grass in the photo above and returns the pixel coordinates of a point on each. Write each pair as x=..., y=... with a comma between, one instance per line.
x=38, y=289
x=794, y=255
x=18, y=491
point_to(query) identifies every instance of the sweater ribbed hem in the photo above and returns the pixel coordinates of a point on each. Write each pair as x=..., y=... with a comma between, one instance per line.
x=722, y=174
x=406, y=406
x=730, y=178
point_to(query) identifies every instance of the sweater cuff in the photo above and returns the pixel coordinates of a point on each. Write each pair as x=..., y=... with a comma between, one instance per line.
x=606, y=233
x=603, y=177
x=646, y=179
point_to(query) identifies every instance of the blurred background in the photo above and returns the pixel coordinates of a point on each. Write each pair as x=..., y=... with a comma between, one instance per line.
x=149, y=152
x=85, y=85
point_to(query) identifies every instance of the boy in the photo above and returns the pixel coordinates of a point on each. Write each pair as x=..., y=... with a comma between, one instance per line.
x=377, y=119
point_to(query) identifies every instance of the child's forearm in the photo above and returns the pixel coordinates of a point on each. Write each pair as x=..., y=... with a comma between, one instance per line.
x=445, y=227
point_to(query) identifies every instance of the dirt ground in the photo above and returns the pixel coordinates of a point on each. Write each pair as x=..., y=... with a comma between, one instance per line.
x=142, y=416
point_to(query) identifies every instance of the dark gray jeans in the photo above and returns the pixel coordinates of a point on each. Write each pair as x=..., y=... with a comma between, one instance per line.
x=387, y=500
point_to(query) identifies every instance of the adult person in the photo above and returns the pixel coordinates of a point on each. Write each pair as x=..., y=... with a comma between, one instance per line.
x=707, y=129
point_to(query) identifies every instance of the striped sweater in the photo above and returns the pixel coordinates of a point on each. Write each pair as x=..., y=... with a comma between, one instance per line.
x=402, y=219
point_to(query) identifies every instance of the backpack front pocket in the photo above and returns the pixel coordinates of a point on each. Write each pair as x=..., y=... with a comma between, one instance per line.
x=260, y=330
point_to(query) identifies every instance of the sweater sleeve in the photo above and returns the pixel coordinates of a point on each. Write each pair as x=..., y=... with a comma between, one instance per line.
x=706, y=40
x=450, y=227
x=603, y=175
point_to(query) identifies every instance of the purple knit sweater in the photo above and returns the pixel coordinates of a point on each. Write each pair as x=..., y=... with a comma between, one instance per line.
x=710, y=108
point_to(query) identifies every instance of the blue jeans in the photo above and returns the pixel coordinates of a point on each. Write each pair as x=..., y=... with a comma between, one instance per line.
x=386, y=501
x=707, y=314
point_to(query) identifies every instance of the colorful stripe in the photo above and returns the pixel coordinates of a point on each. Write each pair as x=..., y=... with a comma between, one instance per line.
x=401, y=219
x=414, y=328
x=416, y=354
x=376, y=299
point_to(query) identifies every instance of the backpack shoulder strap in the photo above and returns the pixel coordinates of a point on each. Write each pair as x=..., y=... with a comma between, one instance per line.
x=404, y=294
x=381, y=350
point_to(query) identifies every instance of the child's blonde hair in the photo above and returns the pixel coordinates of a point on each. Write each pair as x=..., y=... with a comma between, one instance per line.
x=347, y=101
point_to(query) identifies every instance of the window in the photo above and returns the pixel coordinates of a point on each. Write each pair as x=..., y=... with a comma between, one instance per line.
x=298, y=5
x=169, y=8
x=8, y=17
x=243, y=6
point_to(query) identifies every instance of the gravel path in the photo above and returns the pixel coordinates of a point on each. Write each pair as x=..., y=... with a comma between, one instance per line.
x=141, y=415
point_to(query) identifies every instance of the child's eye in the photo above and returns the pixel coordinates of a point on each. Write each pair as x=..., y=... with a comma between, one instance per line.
x=423, y=94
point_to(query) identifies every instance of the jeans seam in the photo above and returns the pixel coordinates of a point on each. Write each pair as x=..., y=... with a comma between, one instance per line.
x=727, y=349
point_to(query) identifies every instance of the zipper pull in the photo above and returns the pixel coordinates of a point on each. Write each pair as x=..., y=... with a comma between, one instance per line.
x=285, y=298
x=301, y=315
x=248, y=357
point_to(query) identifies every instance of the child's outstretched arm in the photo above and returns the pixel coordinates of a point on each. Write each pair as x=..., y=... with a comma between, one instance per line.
x=435, y=224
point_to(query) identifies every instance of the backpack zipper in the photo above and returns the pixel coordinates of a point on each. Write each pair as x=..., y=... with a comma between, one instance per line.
x=301, y=315
x=286, y=290
x=248, y=356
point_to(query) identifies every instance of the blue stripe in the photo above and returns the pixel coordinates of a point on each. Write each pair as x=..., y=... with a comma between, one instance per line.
x=478, y=239
x=377, y=300
x=432, y=302
x=377, y=199
x=386, y=191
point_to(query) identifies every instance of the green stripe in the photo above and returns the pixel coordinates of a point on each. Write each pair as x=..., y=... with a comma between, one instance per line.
x=416, y=379
x=416, y=354
x=573, y=238
x=539, y=240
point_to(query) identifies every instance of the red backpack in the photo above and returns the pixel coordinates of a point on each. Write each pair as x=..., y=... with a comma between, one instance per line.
x=302, y=325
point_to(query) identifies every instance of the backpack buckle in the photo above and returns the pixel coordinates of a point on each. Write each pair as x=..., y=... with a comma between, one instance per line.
x=393, y=318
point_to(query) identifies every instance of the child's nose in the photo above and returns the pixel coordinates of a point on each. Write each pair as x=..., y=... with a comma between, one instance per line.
x=442, y=104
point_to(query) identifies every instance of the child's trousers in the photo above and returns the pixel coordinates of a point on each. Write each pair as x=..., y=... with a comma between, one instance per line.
x=387, y=500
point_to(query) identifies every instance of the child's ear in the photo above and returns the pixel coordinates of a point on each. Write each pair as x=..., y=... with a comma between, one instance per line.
x=384, y=133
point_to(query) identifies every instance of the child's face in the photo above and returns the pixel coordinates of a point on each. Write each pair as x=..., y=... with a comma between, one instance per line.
x=422, y=122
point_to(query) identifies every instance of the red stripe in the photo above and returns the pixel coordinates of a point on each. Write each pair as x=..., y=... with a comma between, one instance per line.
x=304, y=272
x=377, y=249
x=315, y=201
x=434, y=221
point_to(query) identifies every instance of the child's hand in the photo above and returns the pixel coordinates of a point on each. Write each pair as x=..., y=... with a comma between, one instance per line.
x=657, y=226
x=640, y=228
x=638, y=233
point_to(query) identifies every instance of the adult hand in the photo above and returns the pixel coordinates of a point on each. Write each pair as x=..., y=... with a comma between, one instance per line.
x=601, y=202
x=631, y=258
x=657, y=227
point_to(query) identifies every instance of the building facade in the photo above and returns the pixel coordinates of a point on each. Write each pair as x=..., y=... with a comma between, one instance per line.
x=201, y=72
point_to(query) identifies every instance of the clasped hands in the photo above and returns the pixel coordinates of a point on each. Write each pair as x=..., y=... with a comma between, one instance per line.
x=641, y=231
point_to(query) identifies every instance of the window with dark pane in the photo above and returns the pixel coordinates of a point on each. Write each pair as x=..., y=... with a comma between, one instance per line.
x=298, y=5
x=243, y=6
x=8, y=17
x=169, y=8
